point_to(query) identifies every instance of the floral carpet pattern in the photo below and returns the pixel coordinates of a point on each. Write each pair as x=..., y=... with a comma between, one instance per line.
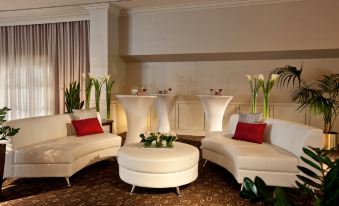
x=99, y=184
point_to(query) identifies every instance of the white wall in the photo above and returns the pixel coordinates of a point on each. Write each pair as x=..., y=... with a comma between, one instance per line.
x=307, y=24
x=303, y=25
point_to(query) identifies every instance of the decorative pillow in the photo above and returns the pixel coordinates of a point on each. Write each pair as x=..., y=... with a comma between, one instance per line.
x=250, y=118
x=250, y=132
x=87, y=126
x=84, y=113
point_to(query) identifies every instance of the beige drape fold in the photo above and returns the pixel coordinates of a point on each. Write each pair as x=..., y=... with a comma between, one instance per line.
x=37, y=61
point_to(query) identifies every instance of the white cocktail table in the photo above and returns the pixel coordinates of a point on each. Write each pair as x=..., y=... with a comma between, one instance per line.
x=136, y=108
x=158, y=167
x=164, y=105
x=214, y=107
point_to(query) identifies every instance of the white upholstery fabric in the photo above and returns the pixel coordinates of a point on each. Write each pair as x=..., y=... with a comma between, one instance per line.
x=181, y=157
x=65, y=149
x=79, y=114
x=46, y=147
x=162, y=180
x=61, y=170
x=275, y=160
x=158, y=168
x=38, y=129
x=252, y=156
x=292, y=136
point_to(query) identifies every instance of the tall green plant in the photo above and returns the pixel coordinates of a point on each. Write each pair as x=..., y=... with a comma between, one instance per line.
x=317, y=186
x=88, y=91
x=97, y=83
x=254, y=85
x=320, y=97
x=266, y=88
x=6, y=131
x=109, y=85
x=72, y=97
x=313, y=183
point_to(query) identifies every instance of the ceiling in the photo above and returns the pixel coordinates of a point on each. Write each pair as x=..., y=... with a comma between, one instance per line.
x=17, y=5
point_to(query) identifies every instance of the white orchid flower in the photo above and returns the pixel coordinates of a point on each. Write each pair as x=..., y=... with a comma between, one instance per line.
x=248, y=77
x=107, y=77
x=274, y=77
x=91, y=76
x=261, y=77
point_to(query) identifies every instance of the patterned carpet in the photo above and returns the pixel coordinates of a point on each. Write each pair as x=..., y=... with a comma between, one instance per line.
x=99, y=184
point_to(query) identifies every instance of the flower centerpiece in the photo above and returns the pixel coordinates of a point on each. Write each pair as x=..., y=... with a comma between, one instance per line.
x=169, y=139
x=147, y=139
x=266, y=88
x=255, y=86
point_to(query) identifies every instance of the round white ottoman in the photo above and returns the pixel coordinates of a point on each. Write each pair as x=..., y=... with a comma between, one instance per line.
x=158, y=167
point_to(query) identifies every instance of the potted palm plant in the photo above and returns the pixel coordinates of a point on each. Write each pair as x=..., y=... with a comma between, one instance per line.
x=320, y=98
x=5, y=131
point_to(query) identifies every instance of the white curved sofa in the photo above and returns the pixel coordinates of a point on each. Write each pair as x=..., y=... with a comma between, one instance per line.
x=47, y=147
x=275, y=160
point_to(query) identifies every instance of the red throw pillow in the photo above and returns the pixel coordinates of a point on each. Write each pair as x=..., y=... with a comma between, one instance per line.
x=250, y=132
x=87, y=126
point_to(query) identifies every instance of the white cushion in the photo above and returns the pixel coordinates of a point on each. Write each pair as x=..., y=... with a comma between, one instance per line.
x=79, y=114
x=182, y=157
x=290, y=136
x=250, y=118
x=39, y=129
x=252, y=156
x=84, y=113
x=65, y=149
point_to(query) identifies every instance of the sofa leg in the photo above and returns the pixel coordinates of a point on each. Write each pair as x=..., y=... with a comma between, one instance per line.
x=178, y=191
x=68, y=182
x=204, y=163
x=132, y=190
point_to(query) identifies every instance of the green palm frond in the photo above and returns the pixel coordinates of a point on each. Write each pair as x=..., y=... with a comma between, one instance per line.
x=287, y=74
x=72, y=97
x=329, y=84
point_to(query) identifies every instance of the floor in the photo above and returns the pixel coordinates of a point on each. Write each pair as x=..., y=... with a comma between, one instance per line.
x=99, y=184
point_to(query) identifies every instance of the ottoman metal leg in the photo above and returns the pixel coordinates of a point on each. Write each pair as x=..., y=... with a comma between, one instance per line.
x=132, y=190
x=178, y=192
x=68, y=182
x=204, y=163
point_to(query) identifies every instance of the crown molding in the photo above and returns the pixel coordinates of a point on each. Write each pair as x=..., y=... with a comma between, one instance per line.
x=99, y=6
x=41, y=16
x=203, y=6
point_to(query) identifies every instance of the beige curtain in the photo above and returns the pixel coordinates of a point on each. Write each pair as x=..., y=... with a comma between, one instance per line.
x=37, y=61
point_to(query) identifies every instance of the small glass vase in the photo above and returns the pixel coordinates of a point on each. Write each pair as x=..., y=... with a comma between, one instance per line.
x=158, y=143
x=254, y=103
x=97, y=100
x=147, y=143
x=266, y=109
x=169, y=144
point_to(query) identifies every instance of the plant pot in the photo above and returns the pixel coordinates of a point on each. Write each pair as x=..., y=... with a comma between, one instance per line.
x=147, y=144
x=330, y=140
x=169, y=144
x=158, y=143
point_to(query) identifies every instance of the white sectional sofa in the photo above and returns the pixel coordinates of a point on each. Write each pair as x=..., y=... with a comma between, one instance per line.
x=275, y=161
x=47, y=147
